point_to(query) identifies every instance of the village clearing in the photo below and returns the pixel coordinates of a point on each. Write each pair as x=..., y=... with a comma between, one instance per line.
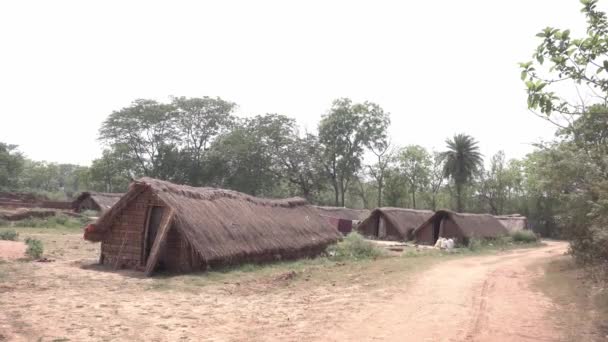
x=488, y=296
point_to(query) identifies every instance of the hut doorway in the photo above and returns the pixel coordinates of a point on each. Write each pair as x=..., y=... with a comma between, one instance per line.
x=436, y=228
x=381, y=228
x=154, y=216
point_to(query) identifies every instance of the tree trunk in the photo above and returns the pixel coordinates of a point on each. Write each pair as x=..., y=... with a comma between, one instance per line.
x=414, y=199
x=336, y=193
x=459, y=197
x=380, y=185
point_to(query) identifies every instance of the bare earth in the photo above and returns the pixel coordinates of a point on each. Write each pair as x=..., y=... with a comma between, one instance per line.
x=475, y=298
x=12, y=249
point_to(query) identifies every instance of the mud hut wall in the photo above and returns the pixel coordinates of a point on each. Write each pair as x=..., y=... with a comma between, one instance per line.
x=424, y=235
x=122, y=246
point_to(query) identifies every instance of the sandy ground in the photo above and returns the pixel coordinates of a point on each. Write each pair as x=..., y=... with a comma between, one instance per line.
x=476, y=298
x=484, y=298
x=12, y=249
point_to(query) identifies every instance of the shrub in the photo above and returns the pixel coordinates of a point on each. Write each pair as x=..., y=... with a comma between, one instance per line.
x=475, y=244
x=526, y=236
x=34, y=248
x=354, y=246
x=10, y=235
x=5, y=223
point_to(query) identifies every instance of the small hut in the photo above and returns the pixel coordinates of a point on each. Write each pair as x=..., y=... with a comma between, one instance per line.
x=160, y=225
x=514, y=222
x=462, y=227
x=393, y=223
x=96, y=201
x=341, y=218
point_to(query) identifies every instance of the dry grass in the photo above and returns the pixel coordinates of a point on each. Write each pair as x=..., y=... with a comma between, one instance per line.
x=296, y=300
x=583, y=306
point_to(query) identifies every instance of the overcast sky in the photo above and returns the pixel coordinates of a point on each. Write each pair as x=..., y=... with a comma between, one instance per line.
x=439, y=67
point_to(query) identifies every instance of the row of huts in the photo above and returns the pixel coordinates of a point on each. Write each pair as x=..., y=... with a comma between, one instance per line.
x=160, y=225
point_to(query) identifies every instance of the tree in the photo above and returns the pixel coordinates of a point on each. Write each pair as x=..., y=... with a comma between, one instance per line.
x=11, y=166
x=145, y=128
x=435, y=178
x=248, y=158
x=494, y=184
x=462, y=160
x=299, y=163
x=574, y=168
x=384, y=156
x=199, y=121
x=560, y=58
x=415, y=163
x=344, y=134
x=112, y=172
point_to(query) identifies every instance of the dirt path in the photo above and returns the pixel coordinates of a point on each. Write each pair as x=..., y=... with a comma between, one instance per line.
x=12, y=249
x=484, y=298
x=478, y=298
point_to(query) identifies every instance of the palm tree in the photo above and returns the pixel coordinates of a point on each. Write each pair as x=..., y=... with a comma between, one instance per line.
x=462, y=159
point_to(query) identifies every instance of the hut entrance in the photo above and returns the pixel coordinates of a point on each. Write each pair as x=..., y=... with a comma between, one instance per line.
x=154, y=216
x=436, y=228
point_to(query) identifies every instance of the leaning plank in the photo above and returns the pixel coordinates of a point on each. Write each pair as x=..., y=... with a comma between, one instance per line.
x=165, y=225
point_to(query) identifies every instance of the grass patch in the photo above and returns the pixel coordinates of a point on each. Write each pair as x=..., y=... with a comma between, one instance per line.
x=502, y=243
x=355, y=247
x=58, y=221
x=34, y=248
x=10, y=235
x=582, y=304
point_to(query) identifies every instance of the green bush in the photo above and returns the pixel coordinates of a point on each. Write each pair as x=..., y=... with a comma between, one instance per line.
x=354, y=246
x=10, y=235
x=5, y=223
x=526, y=236
x=475, y=244
x=34, y=248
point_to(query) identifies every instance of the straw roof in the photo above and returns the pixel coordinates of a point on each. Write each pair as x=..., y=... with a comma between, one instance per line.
x=105, y=200
x=513, y=222
x=343, y=213
x=228, y=225
x=471, y=225
x=403, y=220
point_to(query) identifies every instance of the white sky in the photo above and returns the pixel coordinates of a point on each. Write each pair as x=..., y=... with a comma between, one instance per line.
x=439, y=67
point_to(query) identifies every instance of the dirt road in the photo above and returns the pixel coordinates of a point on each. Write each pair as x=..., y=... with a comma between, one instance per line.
x=484, y=298
x=469, y=298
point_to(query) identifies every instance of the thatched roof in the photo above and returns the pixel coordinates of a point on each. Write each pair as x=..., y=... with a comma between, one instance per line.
x=513, y=222
x=105, y=200
x=343, y=213
x=224, y=225
x=471, y=225
x=404, y=220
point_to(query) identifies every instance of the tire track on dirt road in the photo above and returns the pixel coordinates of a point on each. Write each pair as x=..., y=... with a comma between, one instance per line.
x=480, y=298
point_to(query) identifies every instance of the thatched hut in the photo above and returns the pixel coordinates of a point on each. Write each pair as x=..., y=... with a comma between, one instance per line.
x=341, y=218
x=392, y=223
x=160, y=225
x=96, y=201
x=462, y=227
x=513, y=223
x=343, y=213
